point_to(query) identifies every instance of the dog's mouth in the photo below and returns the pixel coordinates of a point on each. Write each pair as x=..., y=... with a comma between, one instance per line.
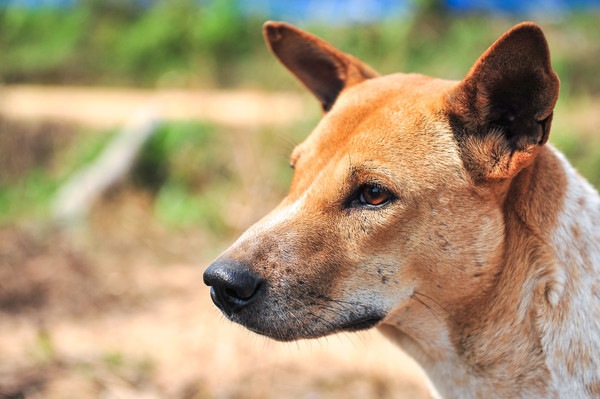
x=293, y=332
x=282, y=310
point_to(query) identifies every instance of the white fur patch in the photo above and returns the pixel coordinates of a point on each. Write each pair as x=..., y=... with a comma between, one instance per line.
x=571, y=333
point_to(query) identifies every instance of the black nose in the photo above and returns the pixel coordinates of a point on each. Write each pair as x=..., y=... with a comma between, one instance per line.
x=232, y=285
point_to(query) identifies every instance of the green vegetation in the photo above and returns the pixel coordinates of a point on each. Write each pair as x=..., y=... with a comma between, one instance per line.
x=35, y=166
x=575, y=133
x=187, y=168
x=181, y=43
x=184, y=165
x=116, y=42
x=191, y=170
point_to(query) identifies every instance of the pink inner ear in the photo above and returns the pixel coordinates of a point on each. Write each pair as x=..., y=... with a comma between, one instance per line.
x=323, y=69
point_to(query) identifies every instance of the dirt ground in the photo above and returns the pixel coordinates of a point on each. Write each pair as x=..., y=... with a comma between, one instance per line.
x=116, y=308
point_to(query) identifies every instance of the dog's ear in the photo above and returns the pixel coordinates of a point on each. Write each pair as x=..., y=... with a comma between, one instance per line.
x=323, y=69
x=502, y=111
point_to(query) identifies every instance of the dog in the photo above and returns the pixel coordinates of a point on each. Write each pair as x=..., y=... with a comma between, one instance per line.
x=435, y=211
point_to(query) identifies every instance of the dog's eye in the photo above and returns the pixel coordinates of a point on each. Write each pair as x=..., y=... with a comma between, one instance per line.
x=374, y=195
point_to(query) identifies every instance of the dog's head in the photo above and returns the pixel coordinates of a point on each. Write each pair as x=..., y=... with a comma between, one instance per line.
x=398, y=191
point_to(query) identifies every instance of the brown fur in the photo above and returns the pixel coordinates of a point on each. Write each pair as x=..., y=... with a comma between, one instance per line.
x=458, y=267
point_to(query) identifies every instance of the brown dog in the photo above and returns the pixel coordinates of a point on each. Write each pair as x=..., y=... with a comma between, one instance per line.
x=435, y=211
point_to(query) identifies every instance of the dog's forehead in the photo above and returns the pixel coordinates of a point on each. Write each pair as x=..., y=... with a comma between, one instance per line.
x=396, y=121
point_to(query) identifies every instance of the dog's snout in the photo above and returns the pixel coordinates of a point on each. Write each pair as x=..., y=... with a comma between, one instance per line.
x=233, y=285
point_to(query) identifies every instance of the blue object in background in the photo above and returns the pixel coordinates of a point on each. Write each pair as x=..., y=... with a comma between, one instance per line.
x=332, y=11
x=522, y=7
x=38, y=3
x=344, y=11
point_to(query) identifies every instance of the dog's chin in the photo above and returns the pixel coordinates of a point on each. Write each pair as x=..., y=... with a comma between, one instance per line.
x=287, y=333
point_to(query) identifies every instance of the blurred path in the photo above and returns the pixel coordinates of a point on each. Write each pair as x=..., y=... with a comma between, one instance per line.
x=110, y=107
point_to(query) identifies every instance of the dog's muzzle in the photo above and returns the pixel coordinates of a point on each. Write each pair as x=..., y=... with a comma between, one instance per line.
x=232, y=286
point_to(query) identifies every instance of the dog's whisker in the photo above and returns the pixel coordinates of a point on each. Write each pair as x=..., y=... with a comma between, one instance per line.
x=419, y=300
x=435, y=302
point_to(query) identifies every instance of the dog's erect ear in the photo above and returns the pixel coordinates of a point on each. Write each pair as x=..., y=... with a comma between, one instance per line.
x=323, y=69
x=502, y=111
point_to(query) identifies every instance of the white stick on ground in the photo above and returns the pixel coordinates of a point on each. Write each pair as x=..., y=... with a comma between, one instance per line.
x=75, y=198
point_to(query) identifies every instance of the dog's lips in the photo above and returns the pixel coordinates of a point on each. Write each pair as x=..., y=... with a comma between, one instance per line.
x=355, y=325
x=273, y=335
x=287, y=333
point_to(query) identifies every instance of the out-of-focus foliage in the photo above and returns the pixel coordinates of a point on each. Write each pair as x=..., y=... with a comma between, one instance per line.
x=182, y=165
x=186, y=43
x=176, y=42
x=35, y=158
x=187, y=168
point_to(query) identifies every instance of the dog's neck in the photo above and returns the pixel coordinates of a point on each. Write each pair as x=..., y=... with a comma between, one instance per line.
x=525, y=329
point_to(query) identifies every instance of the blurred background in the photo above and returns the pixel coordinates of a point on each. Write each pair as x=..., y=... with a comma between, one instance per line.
x=138, y=138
